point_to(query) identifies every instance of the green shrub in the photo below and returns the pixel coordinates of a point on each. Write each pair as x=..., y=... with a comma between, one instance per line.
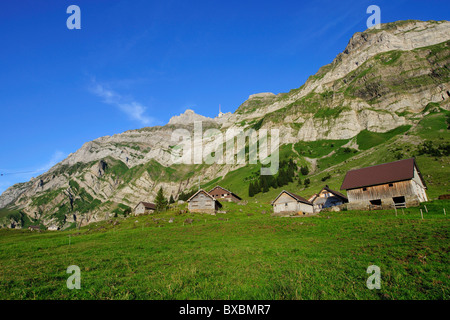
x=304, y=171
x=439, y=150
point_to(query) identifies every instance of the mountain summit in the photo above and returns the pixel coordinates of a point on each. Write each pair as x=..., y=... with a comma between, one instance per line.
x=188, y=117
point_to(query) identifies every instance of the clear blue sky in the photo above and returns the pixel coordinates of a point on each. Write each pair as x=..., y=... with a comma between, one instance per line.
x=137, y=63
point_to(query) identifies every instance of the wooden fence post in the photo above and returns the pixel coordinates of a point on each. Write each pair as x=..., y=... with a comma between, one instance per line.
x=421, y=213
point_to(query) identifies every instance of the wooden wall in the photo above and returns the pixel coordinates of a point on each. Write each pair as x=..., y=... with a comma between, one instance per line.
x=401, y=188
x=140, y=209
x=285, y=203
x=202, y=202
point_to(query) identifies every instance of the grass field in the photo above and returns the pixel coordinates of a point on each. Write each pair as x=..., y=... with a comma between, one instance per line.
x=246, y=253
x=242, y=254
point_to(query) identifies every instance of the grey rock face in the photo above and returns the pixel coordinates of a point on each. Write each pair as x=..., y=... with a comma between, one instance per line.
x=12, y=193
x=188, y=117
x=261, y=95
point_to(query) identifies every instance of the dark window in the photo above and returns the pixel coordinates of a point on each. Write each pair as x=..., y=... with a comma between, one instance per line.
x=399, y=200
x=364, y=189
x=391, y=184
x=376, y=202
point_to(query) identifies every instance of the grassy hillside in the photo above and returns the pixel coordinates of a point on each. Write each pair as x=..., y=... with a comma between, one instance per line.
x=243, y=254
x=247, y=254
x=19, y=218
x=333, y=159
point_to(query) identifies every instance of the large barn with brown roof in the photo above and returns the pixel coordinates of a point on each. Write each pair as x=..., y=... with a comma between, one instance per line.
x=398, y=183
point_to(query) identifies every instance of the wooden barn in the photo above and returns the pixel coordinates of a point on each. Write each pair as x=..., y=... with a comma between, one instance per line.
x=144, y=208
x=221, y=193
x=327, y=198
x=288, y=202
x=203, y=202
x=398, y=184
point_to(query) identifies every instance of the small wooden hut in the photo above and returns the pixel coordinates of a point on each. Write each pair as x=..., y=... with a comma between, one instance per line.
x=203, y=202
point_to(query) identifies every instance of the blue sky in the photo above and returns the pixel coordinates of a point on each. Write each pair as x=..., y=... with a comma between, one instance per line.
x=137, y=63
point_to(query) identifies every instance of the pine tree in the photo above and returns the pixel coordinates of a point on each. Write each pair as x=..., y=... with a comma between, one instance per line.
x=171, y=200
x=291, y=171
x=285, y=178
x=251, y=191
x=256, y=187
x=271, y=181
x=280, y=178
x=264, y=183
x=160, y=201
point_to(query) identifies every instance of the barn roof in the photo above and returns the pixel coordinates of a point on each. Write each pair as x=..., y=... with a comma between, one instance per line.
x=147, y=205
x=314, y=197
x=380, y=174
x=293, y=195
x=336, y=193
x=234, y=194
x=206, y=193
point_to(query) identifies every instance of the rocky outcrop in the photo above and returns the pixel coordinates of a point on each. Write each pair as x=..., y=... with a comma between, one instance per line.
x=13, y=192
x=261, y=95
x=400, y=35
x=188, y=117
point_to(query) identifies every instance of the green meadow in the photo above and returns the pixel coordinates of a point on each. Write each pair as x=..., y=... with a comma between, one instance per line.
x=244, y=253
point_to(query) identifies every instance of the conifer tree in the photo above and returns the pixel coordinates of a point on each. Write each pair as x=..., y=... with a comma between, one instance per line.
x=264, y=183
x=291, y=171
x=160, y=201
x=251, y=191
x=256, y=187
